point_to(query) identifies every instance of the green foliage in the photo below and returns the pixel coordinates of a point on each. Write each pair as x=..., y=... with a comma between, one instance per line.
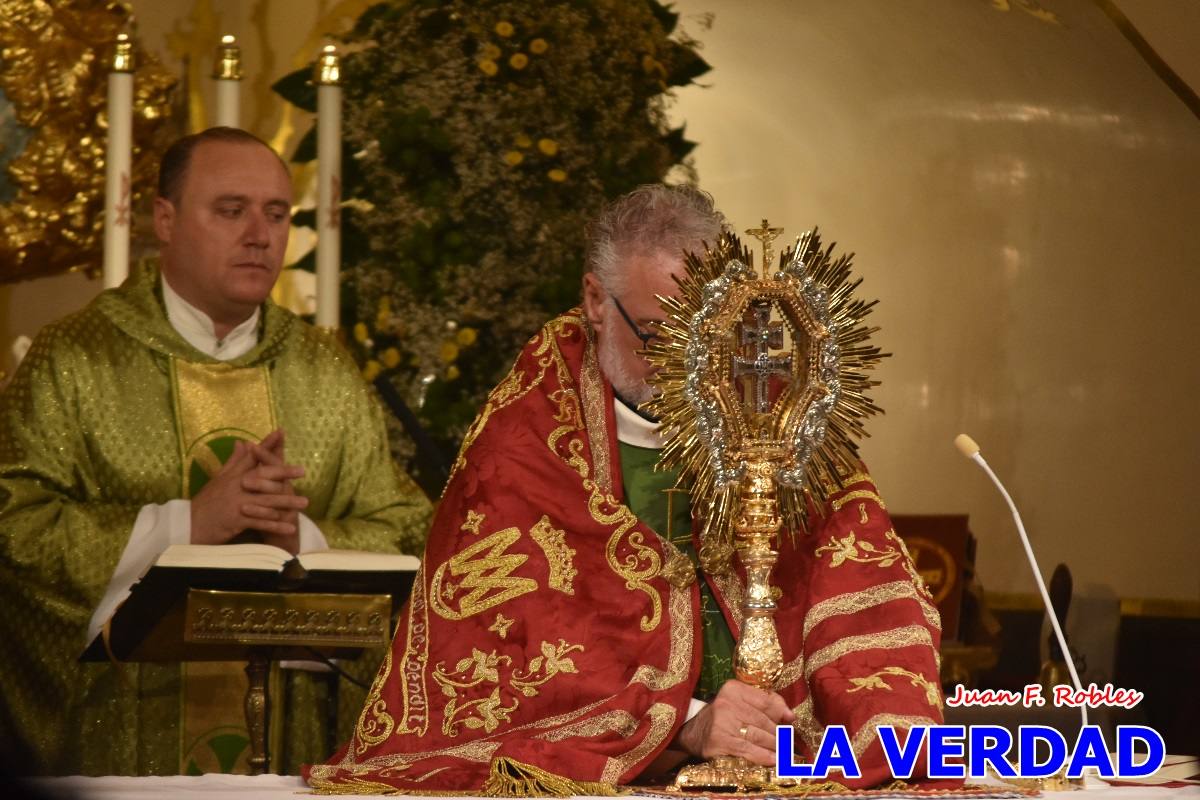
x=480, y=138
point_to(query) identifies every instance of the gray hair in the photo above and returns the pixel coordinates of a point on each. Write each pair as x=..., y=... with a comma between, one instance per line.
x=651, y=219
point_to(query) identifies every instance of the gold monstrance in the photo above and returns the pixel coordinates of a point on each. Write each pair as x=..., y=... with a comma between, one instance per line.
x=762, y=380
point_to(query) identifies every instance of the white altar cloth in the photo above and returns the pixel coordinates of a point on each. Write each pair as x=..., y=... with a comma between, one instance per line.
x=289, y=787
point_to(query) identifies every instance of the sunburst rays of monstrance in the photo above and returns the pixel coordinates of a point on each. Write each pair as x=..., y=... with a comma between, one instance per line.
x=762, y=384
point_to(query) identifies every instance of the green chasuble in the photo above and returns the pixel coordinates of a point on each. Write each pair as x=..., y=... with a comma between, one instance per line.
x=647, y=495
x=88, y=436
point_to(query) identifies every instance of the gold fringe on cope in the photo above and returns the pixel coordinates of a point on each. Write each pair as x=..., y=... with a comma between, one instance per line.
x=506, y=778
x=511, y=778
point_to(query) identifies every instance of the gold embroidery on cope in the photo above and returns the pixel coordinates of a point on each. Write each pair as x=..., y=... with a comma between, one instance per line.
x=892, y=639
x=911, y=568
x=679, y=658
x=854, y=602
x=637, y=567
x=858, y=494
x=501, y=625
x=595, y=418
x=474, y=520
x=933, y=695
x=374, y=723
x=480, y=669
x=866, y=735
x=847, y=548
x=662, y=722
x=558, y=555
x=415, y=717
x=807, y=725
x=485, y=571
x=619, y=722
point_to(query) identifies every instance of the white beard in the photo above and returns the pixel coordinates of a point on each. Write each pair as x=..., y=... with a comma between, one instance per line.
x=612, y=367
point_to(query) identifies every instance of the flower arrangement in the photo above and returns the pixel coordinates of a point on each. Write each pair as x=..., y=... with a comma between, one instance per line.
x=481, y=136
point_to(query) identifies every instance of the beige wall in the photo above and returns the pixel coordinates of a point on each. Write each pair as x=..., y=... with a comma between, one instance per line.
x=1021, y=195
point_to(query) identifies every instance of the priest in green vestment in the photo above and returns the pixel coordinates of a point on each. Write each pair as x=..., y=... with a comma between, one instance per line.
x=182, y=407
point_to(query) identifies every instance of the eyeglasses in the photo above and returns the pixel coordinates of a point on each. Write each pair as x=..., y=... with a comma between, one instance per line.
x=644, y=337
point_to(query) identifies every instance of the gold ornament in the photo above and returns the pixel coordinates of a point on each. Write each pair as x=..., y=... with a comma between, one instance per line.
x=57, y=57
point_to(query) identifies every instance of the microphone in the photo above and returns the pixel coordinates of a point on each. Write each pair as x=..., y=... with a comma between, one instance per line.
x=966, y=445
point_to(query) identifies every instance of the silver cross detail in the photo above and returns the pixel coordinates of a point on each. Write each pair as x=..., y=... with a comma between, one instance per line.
x=762, y=336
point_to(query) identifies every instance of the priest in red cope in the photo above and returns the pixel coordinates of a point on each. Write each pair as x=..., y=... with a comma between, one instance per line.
x=562, y=634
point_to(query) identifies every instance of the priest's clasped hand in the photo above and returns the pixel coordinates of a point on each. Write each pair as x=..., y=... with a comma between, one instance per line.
x=253, y=490
x=740, y=721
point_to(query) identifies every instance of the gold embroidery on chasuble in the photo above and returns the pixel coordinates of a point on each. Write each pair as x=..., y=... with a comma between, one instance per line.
x=558, y=555
x=216, y=405
x=472, y=675
x=486, y=581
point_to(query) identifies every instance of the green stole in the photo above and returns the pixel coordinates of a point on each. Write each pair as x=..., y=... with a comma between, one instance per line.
x=650, y=495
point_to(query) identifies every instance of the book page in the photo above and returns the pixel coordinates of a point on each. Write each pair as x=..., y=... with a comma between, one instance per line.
x=225, y=556
x=358, y=560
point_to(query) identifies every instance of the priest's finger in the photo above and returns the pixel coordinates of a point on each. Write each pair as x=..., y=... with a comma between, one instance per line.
x=278, y=472
x=257, y=512
x=282, y=502
x=756, y=746
x=273, y=442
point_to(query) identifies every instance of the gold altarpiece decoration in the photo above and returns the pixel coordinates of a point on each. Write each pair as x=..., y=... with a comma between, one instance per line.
x=53, y=80
x=763, y=383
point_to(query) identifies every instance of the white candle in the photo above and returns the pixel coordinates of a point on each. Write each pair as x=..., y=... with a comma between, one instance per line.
x=329, y=187
x=227, y=75
x=118, y=191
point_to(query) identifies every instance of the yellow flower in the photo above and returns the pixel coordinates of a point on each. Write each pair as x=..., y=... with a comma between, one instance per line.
x=490, y=51
x=371, y=370
x=360, y=332
x=383, y=320
x=385, y=305
x=557, y=175
x=504, y=28
x=467, y=336
x=452, y=372
x=449, y=352
x=488, y=67
x=522, y=140
x=548, y=146
x=514, y=157
x=538, y=46
x=518, y=61
x=391, y=358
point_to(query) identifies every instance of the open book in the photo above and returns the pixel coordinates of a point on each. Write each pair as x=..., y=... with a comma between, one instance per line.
x=154, y=610
x=274, y=559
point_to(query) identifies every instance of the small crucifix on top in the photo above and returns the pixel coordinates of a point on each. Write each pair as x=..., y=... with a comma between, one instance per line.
x=765, y=234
